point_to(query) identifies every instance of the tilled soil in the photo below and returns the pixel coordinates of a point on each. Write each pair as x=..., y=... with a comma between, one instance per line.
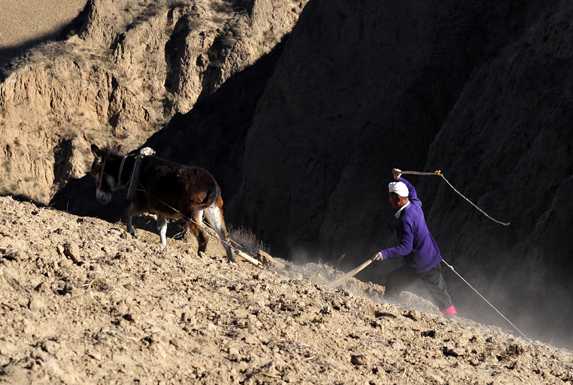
x=83, y=302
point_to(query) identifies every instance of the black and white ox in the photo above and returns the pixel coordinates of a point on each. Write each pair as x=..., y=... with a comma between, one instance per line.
x=168, y=189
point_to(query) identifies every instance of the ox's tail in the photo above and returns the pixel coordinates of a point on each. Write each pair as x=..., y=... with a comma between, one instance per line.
x=212, y=197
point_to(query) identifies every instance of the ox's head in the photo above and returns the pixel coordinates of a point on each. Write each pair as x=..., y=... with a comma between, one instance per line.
x=102, y=169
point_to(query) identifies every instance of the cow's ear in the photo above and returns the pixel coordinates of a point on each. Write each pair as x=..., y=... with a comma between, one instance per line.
x=96, y=151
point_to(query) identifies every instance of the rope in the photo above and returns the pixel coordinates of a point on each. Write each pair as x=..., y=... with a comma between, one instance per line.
x=100, y=181
x=482, y=297
x=119, y=184
x=439, y=173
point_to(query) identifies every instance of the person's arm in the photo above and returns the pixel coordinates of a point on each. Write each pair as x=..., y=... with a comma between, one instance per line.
x=397, y=174
x=404, y=247
x=413, y=195
x=406, y=235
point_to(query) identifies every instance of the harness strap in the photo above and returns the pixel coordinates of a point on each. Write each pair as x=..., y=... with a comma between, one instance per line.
x=134, y=181
x=101, y=173
x=119, y=184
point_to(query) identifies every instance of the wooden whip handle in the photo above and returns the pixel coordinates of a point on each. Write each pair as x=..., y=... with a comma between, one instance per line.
x=351, y=273
x=437, y=172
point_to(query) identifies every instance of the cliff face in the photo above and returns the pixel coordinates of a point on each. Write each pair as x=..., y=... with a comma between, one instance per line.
x=130, y=67
x=359, y=90
x=301, y=124
x=508, y=144
x=479, y=90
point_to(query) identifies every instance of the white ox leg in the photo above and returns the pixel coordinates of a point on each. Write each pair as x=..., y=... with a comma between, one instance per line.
x=200, y=218
x=162, y=228
x=130, y=225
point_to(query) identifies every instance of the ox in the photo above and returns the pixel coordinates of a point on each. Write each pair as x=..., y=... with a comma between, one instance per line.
x=168, y=189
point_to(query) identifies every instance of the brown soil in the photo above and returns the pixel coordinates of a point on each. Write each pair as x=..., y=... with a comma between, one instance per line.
x=82, y=302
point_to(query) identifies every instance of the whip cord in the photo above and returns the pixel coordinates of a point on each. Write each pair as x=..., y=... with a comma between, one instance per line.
x=482, y=297
x=453, y=188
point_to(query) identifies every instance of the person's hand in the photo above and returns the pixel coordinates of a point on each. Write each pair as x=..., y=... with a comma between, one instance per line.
x=378, y=257
x=397, y=173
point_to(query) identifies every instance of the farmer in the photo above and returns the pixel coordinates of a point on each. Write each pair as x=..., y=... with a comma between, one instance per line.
x=421, y=254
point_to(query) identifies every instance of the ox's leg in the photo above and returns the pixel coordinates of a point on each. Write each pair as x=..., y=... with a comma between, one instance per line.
x=132, y=210
x=215, y=216
x=162, y=228
x=196, y=227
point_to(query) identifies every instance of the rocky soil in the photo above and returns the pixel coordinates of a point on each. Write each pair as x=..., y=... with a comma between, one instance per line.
x=82, y=302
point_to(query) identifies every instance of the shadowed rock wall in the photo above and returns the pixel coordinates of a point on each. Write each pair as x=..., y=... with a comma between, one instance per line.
x=508, y=145
x=479, y=90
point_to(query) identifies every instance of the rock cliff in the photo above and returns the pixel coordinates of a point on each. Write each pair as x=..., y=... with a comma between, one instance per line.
x=129, y=68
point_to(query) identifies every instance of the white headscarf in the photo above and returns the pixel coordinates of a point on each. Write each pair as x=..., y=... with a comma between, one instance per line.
x=399, y=188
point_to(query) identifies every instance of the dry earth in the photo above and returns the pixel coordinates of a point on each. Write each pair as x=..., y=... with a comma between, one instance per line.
x=82, y=302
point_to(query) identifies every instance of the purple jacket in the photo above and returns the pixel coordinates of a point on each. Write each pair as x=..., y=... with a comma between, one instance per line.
x=417, y=245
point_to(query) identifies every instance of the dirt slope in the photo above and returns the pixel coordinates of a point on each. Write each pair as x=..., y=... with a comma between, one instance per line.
x=81, y=302
x=25, y=20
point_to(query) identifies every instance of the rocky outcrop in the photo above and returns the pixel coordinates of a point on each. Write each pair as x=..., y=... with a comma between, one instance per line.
x=359, y=90
x=129, y=69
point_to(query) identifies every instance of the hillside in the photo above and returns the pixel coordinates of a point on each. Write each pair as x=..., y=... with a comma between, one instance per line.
x=82, y=302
